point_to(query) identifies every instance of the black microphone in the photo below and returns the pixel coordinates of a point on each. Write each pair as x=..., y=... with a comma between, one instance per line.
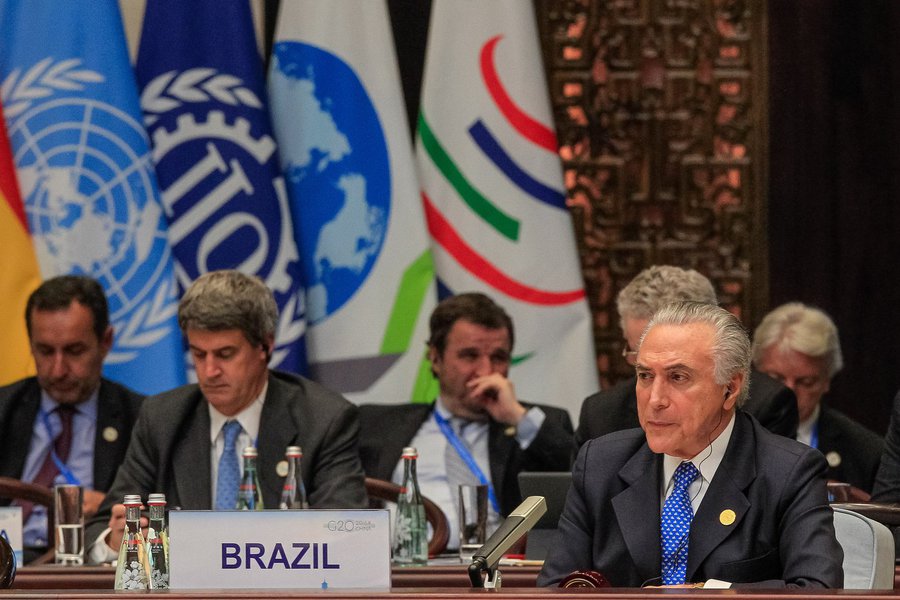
x=518, y=523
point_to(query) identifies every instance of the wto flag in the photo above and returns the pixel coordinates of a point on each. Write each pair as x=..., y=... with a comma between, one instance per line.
x=86, y=176
x=203, y=96
x=19, y=273
x=347, y=156
x=493, y=191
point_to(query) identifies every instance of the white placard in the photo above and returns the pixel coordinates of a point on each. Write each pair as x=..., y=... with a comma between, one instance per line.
x=11, y=529
x=297, y=549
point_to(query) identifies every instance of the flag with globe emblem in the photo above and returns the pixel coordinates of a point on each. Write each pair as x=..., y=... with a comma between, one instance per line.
x=86, y=176
x=203, y=95
x=493, y=191
x=346, y=153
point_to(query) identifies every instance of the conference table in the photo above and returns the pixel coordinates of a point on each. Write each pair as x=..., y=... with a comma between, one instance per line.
x=437, y=581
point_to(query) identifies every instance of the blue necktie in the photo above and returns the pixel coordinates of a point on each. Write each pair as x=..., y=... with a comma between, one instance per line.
x=675, y=525
x=228, y=477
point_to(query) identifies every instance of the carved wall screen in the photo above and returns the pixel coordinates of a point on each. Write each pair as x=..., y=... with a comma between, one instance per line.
x=660, y=108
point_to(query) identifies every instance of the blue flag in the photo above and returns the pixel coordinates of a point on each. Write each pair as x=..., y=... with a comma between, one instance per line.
x=204, y=103
x=86, y=175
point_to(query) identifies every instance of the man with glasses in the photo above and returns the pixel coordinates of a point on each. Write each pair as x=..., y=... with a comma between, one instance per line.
x=615, y=408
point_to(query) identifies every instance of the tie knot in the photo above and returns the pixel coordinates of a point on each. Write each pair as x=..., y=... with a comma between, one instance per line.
x=231, y=430
x=685, y=475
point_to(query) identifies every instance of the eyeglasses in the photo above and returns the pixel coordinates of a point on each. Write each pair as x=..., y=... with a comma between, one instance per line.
x=630, y=356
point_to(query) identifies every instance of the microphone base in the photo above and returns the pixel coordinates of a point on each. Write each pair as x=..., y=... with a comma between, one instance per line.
x=492, y=580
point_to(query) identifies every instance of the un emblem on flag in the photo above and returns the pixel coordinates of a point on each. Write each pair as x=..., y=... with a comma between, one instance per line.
x=86, y=178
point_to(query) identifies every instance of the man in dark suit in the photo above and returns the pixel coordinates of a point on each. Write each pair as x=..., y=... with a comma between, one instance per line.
x=470, y=348
x=67, y=320
x=614, y=409
x=799, y=346
x=739, y=504
x=187, y=442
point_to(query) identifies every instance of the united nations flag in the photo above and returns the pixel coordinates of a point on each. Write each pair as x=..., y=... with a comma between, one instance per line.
x=86, y=175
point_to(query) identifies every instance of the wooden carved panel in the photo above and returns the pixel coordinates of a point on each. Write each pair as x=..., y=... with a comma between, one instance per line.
x=660, y=107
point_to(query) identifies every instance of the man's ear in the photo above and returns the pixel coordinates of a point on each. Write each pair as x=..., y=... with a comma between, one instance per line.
x=106, y=341
x=434, y=358
x=733, y=391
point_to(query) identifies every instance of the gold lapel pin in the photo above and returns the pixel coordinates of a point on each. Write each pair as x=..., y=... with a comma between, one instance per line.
x=833, y=458
x=281, y=468
x=510, y=431
x=727, y=517
x=110, y=434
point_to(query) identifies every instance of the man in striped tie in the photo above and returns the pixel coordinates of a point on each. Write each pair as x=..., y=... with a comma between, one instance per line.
x=701, y=494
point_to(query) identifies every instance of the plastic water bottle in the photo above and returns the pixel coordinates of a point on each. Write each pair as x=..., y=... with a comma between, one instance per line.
x=410, y=546
x=158, y=543
x=133, y=565
x=293, y=494
x=250, y=492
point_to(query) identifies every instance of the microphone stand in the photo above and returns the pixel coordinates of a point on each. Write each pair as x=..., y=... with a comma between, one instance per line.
x=517, y=524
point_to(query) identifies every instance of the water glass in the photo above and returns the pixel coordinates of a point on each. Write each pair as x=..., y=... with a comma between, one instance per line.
x=473, y=517
x=69, y=524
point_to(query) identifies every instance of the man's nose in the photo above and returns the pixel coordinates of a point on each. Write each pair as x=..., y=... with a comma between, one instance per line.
x=658, y=396
x=484, y=366
x=209, y=366
x=60, y=366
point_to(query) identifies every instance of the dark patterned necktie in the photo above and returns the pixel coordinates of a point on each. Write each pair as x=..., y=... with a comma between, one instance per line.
x=62, y=445
x=675, y=525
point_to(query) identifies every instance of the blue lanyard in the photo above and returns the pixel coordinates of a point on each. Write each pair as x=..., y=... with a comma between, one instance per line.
x=467, y=457
x=814, y=436
x=64, y=470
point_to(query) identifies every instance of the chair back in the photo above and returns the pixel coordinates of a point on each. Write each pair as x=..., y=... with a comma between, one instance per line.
x=14, y=489
x=381, y=491
x=868, y=551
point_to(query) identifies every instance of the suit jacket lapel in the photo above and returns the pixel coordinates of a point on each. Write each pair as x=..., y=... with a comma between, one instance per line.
x=735, y=472
x=191, y=457
x=20, y=428
x=500, y=448
x=107, y=452
x=403, y=430
x=641, y=498
x=278, y=429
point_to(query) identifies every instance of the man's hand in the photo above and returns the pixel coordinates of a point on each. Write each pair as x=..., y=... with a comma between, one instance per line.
x=117, y=526
x=91, y=502
x=499, y=397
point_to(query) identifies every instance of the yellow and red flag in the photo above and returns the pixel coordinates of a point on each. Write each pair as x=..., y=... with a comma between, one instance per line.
x=19, y=272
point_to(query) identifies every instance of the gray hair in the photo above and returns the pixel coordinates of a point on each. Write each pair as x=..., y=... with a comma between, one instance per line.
x=660, y=285
x=229, y=299
x=731, y=345
x=801, y=328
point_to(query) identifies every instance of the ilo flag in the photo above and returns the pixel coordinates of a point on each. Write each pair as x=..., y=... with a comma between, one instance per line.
x=19, y=273
x=493, y=191
x=86, y=177
x=203, y=95
x=346, y=154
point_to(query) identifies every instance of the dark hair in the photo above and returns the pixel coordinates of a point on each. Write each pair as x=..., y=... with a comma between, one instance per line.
x=58, y=293
x=229, y=299
x=474, y=307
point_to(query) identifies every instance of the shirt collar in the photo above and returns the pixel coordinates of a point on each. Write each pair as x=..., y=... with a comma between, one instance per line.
x=804, y=429
x=249, y=418
x=88, y=407
x=707, y=460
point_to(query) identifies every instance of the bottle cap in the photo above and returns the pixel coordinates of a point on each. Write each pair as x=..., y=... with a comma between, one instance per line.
x=410, y=452
x=156, y=499
x=293, y=451
x=132, y=499
x=250, y=451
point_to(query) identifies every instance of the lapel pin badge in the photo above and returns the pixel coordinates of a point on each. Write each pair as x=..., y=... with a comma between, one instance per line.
x=281, y=468
x=727, y=517
x=110, y=434
x=510, y=431
x=833, y=458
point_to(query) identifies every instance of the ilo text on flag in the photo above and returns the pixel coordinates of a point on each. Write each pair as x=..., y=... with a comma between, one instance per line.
x=203, y=95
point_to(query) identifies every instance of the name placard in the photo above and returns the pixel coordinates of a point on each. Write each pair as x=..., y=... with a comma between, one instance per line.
x=298, y=549
x=11, y=529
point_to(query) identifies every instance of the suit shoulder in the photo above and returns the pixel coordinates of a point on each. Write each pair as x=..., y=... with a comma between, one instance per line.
x=616, y=394
x=853, y=429
x=16, y=389
x=377, y=414
x=614, y=447
x=779, y=453
x=121, y=392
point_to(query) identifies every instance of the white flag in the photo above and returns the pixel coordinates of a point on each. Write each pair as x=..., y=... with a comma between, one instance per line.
x=493, y=191
x=339, y=117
